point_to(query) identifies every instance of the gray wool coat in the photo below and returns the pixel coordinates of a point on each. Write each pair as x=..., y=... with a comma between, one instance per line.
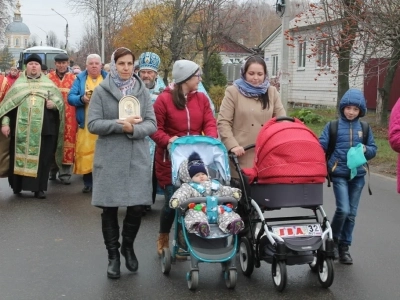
x=121, y=168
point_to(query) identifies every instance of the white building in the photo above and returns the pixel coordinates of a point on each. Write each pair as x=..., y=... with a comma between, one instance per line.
x=312, y=77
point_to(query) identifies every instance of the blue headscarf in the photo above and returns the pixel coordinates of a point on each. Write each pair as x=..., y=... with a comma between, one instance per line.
x=249, y=90
x=124, y=85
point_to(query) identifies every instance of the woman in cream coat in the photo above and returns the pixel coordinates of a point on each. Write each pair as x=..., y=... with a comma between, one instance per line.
x=248, y=104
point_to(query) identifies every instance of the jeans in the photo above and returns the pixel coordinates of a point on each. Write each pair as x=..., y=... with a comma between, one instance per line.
x=88, y=179
x=347, y=194
x=167, y=213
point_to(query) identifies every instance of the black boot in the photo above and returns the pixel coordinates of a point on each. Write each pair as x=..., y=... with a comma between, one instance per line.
x=129, y=232
x=111, y=235
x=344, y=255
x=336, y=248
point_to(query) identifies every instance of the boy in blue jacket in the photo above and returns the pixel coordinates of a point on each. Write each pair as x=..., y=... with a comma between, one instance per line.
x=347, y=187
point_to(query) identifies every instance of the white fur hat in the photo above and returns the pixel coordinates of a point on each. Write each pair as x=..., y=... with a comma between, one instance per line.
x=183, y=70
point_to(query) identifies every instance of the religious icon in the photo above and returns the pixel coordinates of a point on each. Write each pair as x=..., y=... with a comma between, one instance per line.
x=129, y=106
x=88, y=93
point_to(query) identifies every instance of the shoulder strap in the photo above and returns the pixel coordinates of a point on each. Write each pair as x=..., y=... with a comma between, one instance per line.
x=333, y=129
x=365, y=130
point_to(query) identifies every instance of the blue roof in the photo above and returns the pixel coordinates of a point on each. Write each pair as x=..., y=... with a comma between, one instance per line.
x=17, y=27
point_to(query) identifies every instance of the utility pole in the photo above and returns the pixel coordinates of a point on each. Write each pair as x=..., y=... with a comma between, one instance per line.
x=66, y=28
x=284, y=80
x=103, y=26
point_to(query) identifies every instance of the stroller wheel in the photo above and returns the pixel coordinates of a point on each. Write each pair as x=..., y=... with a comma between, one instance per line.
x=246, y=256
x=327, y=275
x=280, y=276
x=192, y=279
x=166, y=261
x=230, y=278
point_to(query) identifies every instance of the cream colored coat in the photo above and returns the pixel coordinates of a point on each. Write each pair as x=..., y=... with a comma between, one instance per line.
x=240, y=120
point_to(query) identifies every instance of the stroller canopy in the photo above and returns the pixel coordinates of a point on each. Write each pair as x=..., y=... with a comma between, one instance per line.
x=287, y=152
x=212, y=152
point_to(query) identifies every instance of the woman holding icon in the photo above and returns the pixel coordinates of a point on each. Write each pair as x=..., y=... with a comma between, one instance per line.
x=121, y=169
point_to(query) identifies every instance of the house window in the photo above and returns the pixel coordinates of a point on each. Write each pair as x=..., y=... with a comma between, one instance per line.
x=324, y=54
x=17, y=42
x=302, y=55
x=274, y=65
x=26, y=43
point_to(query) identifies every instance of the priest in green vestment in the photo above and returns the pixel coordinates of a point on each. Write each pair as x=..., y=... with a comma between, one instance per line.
x=32, y=116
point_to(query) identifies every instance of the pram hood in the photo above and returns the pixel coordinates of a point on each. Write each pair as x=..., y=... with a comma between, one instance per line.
x=212, y=151
x=287, y=152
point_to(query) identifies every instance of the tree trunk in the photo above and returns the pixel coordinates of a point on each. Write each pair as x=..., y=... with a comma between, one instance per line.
x=205, y=69
x=378, y=117
x=387, y=84
x=165, y=78
x=343, y=77
x=349, y=28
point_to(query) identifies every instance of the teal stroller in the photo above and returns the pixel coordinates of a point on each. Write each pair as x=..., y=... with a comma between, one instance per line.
x=218, y=247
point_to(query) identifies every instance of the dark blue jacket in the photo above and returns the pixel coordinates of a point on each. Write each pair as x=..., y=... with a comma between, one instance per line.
x=349, y=135
x=76, y=93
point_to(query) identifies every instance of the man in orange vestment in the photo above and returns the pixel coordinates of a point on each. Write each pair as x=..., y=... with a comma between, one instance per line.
x=63, y=80
x=4, y=86
x=4, y=141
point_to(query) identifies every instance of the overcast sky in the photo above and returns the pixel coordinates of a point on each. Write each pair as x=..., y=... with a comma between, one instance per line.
x=39, y=17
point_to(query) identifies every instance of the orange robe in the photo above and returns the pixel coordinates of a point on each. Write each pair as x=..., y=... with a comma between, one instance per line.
x=71, y=126
x=4, y=86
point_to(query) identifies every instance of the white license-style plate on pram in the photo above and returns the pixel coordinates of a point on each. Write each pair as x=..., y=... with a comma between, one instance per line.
x=303, y=230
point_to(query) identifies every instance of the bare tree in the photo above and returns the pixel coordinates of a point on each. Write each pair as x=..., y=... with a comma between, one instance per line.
x=180, y=38
x=87, y=45
x=380, y=27
x=117, y=13
x=33, y=41
x=333, y=24
x=5, y=6
x=213, y=24
x=52, y=39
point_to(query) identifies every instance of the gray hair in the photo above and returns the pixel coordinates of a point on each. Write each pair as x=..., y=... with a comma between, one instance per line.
x=90, y=56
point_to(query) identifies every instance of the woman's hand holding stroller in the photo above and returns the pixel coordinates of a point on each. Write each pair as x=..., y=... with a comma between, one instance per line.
x=238, y=151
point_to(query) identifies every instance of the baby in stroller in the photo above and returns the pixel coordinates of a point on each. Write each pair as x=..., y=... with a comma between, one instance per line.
x=197, y=184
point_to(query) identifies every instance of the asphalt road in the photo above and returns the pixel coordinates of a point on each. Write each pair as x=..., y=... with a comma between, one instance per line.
x=53, y=249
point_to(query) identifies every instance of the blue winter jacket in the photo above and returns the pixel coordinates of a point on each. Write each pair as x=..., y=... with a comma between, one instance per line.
x=349, y=135
x=76, y=93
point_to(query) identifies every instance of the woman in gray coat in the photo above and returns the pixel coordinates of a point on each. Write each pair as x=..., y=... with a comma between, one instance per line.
x=121, y=168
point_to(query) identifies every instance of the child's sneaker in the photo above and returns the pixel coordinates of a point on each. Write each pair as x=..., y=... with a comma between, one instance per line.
x=236, y=226
x=203, y=229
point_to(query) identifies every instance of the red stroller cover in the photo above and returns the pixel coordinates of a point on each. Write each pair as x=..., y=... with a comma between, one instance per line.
x=287, y=152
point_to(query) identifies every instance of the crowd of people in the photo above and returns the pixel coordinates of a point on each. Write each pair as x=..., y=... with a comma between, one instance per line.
x=68, y=122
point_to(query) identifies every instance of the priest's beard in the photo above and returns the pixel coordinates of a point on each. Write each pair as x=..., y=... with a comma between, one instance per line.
x=150, y=84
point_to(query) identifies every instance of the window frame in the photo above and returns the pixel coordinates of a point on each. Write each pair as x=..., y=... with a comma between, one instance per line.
x=324, y=54
x=275, y=65
x=301, y=55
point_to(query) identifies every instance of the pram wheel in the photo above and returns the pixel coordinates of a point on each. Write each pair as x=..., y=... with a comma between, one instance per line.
x=166, y=261
x=279, y=277
x=193, y=279
x=327, y=274
x=246, y=256
x=230, y=278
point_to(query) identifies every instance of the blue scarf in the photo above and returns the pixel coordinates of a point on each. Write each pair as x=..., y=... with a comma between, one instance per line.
x=249, y=90
x=125, y=86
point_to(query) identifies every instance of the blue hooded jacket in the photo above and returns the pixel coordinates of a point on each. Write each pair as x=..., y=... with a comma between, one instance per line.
x=349, y=134
x=76, y=93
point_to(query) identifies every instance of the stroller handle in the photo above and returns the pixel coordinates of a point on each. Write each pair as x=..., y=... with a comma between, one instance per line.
x=221, y=200
x=284, y=118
